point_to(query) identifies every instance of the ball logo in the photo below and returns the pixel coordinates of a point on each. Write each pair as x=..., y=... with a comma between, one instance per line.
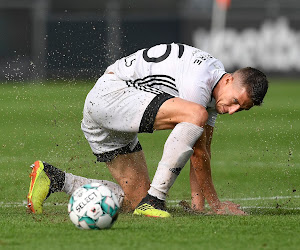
x=85, y=201
x=93, y=206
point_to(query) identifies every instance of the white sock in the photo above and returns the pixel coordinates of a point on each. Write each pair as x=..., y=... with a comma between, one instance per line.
x=177, y=151
x=72, y=182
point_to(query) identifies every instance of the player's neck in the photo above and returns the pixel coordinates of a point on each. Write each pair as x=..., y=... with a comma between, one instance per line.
x=217, y=89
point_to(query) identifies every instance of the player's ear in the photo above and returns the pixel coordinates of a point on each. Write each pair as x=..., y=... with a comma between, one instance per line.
x=229, y=78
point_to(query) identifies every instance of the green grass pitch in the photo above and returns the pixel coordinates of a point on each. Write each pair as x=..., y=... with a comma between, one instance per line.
x=255, y=162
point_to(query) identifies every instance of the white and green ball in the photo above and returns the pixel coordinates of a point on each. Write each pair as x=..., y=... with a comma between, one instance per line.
x=93, y=206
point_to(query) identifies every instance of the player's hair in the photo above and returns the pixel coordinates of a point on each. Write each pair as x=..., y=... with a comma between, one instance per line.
x=256, y=83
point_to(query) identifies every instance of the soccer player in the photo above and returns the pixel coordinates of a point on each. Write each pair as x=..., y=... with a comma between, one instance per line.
x=169, y=86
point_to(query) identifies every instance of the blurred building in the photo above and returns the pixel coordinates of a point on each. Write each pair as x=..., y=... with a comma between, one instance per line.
x=65, y=39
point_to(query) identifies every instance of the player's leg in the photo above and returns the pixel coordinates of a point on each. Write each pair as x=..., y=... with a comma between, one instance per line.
x=47, y=179
x=72, y=182
x=176, y=110
x=130, y=171
x=187, y=120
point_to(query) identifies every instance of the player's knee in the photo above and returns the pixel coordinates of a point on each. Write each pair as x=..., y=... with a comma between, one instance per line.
x=197, y=115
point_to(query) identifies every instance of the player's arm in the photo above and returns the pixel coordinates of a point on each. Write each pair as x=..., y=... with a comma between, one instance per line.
x=201, y=182
x=200, y=173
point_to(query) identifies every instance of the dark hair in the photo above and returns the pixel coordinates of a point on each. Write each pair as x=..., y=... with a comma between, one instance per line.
x=256, y=83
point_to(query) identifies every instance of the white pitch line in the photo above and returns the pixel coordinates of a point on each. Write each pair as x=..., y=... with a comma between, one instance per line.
x=265, y=198
x=282, y=208
x=24, y=203
x=250, y=198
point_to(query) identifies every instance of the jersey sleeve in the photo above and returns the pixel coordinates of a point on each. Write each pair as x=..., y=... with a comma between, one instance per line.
x=130, y=67
x=200, y=79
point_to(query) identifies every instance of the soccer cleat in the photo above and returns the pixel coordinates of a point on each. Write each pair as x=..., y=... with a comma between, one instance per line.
x=45, y=179
x=39, y=188
x=152, y=207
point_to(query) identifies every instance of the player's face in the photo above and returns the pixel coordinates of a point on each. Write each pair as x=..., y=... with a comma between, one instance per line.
x=234, y=98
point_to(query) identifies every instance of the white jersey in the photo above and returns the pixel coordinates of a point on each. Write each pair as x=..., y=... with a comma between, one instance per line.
x=180, y=70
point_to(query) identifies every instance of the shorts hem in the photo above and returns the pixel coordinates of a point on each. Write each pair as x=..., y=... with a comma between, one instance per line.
x=109, y=156
x=147, y=122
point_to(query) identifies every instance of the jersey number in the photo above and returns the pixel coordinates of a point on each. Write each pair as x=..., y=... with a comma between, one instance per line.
x=164, y=56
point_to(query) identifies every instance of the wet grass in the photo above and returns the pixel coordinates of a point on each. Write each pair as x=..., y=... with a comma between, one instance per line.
x=255, y=162
x=53, y=230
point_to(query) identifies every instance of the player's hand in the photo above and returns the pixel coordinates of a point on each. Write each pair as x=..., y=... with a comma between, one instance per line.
x=229, y=208
x=188, y=209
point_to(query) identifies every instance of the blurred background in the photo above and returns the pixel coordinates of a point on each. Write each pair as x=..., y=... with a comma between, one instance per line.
x=76, y=39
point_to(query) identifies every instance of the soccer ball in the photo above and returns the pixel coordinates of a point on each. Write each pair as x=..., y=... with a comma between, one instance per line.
x=93, y=206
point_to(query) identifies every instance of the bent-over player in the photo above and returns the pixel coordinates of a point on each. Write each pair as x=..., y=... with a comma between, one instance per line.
x=169, y=86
